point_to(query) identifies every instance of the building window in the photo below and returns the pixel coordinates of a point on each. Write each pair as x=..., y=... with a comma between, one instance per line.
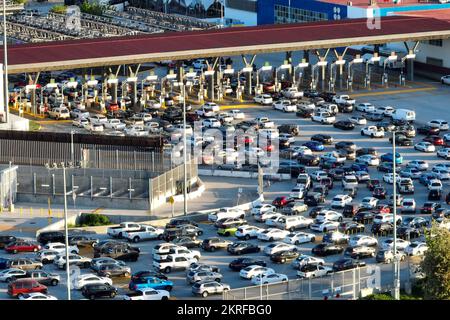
x=282, y=15
x=435, y=62
x=436, y=42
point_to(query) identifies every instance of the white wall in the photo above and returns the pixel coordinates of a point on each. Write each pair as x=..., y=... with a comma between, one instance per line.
x=426, y=50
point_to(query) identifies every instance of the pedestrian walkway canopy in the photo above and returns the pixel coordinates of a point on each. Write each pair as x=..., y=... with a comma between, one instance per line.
x=85, y=53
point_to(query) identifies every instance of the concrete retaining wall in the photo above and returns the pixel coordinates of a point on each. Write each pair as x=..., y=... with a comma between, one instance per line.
x=241, y=174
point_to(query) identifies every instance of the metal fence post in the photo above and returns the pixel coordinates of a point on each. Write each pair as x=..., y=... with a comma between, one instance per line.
x=53, y=185
x=354, y=283
x=129, y=188
x=34, y=183
x=92, y=187
x=134, y=158
x=110, y=187
x=153, y=162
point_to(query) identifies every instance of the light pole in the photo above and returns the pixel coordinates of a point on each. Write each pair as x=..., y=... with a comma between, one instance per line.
x=411, y=55
x=392, y=57
x=302, y=65
x=267, y=67
x=339, y=62
x=5, y=64
x=152, y=79
x=66, y=231
x=358, y=59
x=282, y=67
x=373, y=59
x=396, y=292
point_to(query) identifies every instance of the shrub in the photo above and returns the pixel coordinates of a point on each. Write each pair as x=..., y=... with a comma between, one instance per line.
x=59, y=9
x=93, y=220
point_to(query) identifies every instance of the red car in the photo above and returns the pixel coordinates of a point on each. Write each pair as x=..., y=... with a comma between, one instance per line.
x=382, y=208
x=379, y=192
x=23, y=286
x=436, y=140
x=113, y=107
x=282, y=201
x=23, y=246
x=268, y=87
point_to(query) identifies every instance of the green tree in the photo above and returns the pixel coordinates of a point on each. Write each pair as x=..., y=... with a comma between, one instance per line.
x=92, y=8
x=59, y=8
x=436, y=265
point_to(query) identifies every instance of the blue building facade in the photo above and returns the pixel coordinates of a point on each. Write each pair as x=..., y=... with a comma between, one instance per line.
x=277, y=11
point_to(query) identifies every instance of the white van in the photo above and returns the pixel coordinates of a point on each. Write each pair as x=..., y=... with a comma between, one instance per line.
x=404, y=114
x=59, y=113
x=293, y=222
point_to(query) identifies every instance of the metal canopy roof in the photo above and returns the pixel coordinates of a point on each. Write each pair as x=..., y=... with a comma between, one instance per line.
x=85, y=53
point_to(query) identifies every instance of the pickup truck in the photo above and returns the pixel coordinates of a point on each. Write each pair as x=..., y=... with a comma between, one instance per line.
x=178, y=251
x=118, y=232
x=264, y=122
x=144, y=233
x=226, y=213
x=343, y=99
x=173, y=262
x=147, y=294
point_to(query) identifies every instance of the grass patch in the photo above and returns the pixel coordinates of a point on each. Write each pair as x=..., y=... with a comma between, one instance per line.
x=34, y=126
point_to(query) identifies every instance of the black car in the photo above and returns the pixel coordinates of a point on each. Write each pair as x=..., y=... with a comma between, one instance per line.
x=314, y=211
x=327, y=96
x=181, y=231
x=344, y=125
x=311, y=93
x=188, y=242
x=372, y=116
x=427, y=130
x=346, y=145
x=304, y=113
x=326, y=249
x=292, y=129
x=441, y=213
x=179, y=222
x=148, y=273
x=354, y=253
x=350, y=210
x=402, y=140
x=283, y=256
x=363, y=151
x=379, y=193
x=336, y=174
x=93, y=291
x=293, y=169
x=323, y=138
x=351, y=227
x=347, y=264
x=241, y=263
x=242, y=248
x=119, y=252
x=6, y=240
x=429, y=207
x=51, y=236
x=313, y=199
x=4, y=263
x=364, y=217
x=113, y=270
x=387, y=126
x=345, y=107
x=382, y=228
x=385, y=167
x=407, y=233
x=308, y=160
x=434, y=195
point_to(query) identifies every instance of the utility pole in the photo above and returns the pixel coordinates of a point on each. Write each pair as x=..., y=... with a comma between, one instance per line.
x=66, y=233
x=396, y=291
x=5, y=64
x=184, y=151
x=72, y=153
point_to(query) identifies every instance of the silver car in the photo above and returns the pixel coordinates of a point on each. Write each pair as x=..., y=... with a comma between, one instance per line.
x=197, y=276
x=209, y=287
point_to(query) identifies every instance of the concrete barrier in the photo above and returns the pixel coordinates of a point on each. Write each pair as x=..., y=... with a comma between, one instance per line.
x=241, y=174
x=192, y=195
x=196, y=216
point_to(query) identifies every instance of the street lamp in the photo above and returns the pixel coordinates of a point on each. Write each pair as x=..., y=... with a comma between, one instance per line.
x=411, y=55
x=394, y=194
x=70, y=84
x=63, y=168
x=152, y=79
x=339, y=62
x=392, y=57
x=170, y=76
x=322, y=63
x=264, y=68
x=373, y=59
x=210, y=73
x=358, y=59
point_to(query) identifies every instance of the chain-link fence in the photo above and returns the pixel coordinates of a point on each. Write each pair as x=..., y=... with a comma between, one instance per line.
x=339, y=285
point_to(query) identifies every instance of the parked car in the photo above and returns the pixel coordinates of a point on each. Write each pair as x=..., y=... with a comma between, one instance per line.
x=93, y=291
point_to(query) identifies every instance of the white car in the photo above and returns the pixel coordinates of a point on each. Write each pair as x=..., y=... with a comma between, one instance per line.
x=319, y=175
x=272, y=221
x=333, y=157
x=442, y=166
x=388, y=244
x=298, y=192
x=211, y=123
x=147, y=294
x=80, y=122
x=444, y=153
x=324, y=226
x=263, y=217
x=263, y=99
x=268, y=133
x=340, y=200
x=278, y=247
x=272, y=234
x=362, y=240
x=60, y=247
x=442, y=174
x=408, y=205
x=262, y=208
x=416, y=248
x=365, y=107
x=269, y=278
x=421, y=165
x=425, y=146
x=95, y=127
x=98, y=119
x=47, y=256
x=362, y=176
x=329, y=215
x=251, y=271
x=237, y=114
x=313, y=271
x=358, y=120
x=60, y=260
x=226, y=213
x=225, y=117
x=369, y=202
x=373, y=132
x=11, y=274
x=136, y=131
x=434, y=184
x=247, y=232
x=292, y=93
x=323, y=117
x=350, y=181
x=386, y=218
x=285, y=106
x=78, y=113
x=115, y=124
x=368, y=159
x=438, y=123
x=304, y=259
x=385, y=111
x=389, y=177
x=300, y=237
x=90, y=278
x=302, y=150
x=36, y=296
x=286, y=136
x=445, y=79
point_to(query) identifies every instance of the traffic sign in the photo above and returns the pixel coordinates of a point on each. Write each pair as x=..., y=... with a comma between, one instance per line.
x=171, y=200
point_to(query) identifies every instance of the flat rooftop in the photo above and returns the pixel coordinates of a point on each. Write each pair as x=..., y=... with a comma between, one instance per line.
x=443, y=14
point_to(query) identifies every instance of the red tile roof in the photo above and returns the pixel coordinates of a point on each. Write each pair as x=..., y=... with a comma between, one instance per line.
x=441, y=14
